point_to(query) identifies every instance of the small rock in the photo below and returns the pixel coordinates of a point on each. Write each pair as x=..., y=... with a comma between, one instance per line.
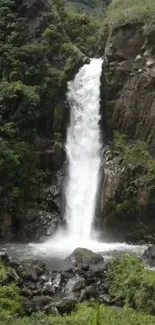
x=44, y=278
x=85, y=267
x=66, y=305
x=26, y=292
x=75, y=284
x=13, y=274
x=41, y=301
x=28, y=306
x=87, y=293
x=14, y=264
x=51, y=309
x=38, y=270
x=59, y=280
x=48, y=289
x=4, y=257
x=105, y=298
x=30, y=274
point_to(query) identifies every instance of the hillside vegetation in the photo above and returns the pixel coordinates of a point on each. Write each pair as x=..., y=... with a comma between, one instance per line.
x=35, y=64
x=130, y=11
x=93, y=7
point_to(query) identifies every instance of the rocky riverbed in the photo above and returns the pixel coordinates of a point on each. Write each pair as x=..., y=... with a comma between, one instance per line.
x=45, y=288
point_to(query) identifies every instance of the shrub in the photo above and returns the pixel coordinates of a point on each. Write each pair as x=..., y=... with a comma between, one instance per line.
x=131, y=283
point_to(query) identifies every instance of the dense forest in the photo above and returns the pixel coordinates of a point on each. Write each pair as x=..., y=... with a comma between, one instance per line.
x=39, y=53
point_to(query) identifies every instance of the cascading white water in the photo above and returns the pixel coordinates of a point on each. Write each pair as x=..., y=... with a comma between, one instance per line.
x=83, y=150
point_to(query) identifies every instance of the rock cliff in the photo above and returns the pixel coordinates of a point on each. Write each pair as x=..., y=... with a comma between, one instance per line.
x=128, y=106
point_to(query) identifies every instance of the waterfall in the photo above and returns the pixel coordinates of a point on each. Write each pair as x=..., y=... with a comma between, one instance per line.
x=83, y=149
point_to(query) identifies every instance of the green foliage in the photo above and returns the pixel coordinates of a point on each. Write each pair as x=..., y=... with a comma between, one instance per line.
x=87, y=314
x=17, y=174
x=83, y=31
x=94, y=7
x=3, y=271
x=135, y=153
x=130, y=11
x=125, y=207
x=19, y=104
x=131, y=282
x=10, y=299
x=35, y=65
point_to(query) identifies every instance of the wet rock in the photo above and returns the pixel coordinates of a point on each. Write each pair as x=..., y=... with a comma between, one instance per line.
x=87, y=293
x=5, y=258
x=30, y=274
x=41, y=301
x=85, y=256
x=13, y=275
x=48, y=289
x=28, y=306
x=66, y=305
x=85, y=267
x=44, y=278
x=51, y=309
x=105, y=298
x=75, y=284
x=14, y=264
x=59, y=280
x=31, y=285
x=39, y=270
x=26, y=292
x=149, y=255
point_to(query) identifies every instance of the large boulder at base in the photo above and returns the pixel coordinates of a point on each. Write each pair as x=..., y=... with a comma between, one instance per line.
x=85, y=256
x=149, y=255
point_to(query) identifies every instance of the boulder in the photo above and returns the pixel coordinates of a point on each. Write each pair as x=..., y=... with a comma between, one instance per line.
x=66, y=305
x=30, y=274
x=59, y=280
x=85, y=256
x=75, y=284
x=105, y=298
x=87, y=293
x=41, y=301
x=28, y=305
x=149, y=256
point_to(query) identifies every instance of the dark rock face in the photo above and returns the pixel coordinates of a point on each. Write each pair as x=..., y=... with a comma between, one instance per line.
x=128, y=106
x=149, y=256
x=42, y=220
x=131, y=62
x=84, y=256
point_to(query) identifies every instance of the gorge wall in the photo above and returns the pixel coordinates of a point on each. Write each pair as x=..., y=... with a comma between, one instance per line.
x=128, y=199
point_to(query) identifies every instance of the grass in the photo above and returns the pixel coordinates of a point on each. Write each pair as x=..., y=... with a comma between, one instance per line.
x=86, y=315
